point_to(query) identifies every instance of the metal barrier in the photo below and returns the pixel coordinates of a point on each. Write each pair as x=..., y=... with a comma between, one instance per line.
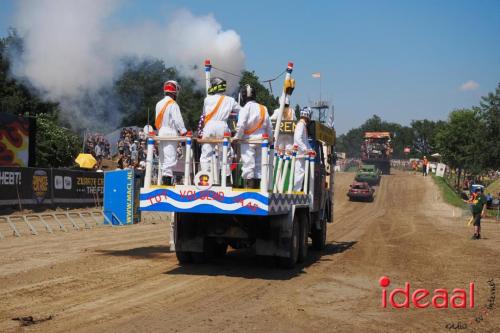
x=90, y=219
x=72, y=217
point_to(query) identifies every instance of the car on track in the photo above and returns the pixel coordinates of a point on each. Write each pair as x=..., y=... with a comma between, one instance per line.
x=360, y=191
x=368, y=173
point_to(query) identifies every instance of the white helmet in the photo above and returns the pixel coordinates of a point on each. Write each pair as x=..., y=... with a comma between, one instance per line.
x=287, y=100
x=306, y=112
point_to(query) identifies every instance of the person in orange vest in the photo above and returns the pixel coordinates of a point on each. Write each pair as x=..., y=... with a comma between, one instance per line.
x=425, y=163
x=253, y=121
x=213, y=122
x=169, y=122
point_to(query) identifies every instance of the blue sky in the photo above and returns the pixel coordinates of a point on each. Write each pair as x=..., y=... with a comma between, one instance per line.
x=401, y=60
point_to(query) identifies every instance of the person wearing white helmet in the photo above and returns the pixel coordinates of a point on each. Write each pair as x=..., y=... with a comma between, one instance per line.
x=301, y=139
x=285, y=140
x=253, y=122
x=213, y=122
x=169, y=122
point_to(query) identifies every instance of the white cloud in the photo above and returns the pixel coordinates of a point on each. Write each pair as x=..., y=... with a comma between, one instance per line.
x=469, y=85
x=71, y=51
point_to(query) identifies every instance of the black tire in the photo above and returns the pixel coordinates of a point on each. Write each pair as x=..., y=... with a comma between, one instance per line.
x=319, y=236
x=303, y=237
x=291, y=260
x=219, y=250
x=199, y=257
x=184, y=257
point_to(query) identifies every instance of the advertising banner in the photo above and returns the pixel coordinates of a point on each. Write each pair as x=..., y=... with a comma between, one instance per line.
x=49, y=188
x=14, y=140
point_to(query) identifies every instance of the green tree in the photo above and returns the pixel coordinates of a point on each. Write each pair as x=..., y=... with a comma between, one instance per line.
x=56, y=146
x=461, y=143
x=351, y=141
x=263, y=96
x=17, y=97
x=140, y=88
x=489, y=110
x=424, y=135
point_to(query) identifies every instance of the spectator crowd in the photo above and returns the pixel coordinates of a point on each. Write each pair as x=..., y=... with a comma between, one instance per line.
x=97, y=145
x=132, y=148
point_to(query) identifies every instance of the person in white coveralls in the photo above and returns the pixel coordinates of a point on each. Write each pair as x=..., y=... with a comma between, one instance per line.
x=301, y=139
x=285, y=140
x=253, y=121
x=169, y=122
x=213, y=122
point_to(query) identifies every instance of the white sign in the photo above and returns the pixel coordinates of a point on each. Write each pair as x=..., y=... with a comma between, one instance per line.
x=441, y=168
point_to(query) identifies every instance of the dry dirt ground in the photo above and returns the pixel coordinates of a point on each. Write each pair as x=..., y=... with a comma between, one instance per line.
x=126, y=280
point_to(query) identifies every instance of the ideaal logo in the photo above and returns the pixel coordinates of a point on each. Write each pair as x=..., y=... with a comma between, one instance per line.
x=423, y=298
x=461, y=298
x=40, y=185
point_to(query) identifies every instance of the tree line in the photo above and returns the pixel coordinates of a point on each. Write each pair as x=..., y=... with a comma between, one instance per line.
x=468, y=140
x=134, y=94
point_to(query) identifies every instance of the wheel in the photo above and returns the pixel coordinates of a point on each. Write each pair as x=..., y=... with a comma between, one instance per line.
x=319, y=236
x=219, y=250
x=291, y=260
x=184, y=257
x=303, y=236
x=199, y=257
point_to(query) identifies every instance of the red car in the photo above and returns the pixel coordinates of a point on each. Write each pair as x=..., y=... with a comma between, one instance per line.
x=360, y=191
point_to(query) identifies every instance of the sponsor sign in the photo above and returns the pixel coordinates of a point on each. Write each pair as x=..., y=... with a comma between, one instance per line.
x=15, y=140
x=49, y=187
x=119, y=197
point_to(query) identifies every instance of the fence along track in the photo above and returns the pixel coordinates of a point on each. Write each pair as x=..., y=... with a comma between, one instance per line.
x=51, y=222
x=48, y=222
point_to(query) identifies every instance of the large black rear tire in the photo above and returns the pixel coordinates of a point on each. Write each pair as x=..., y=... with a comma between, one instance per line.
x=319, y=236
x=304, y=236
x=291, y=260
x=219, y=250
x=184, y=257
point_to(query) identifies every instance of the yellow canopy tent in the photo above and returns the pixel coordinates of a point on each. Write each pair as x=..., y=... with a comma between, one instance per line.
x=86, y=161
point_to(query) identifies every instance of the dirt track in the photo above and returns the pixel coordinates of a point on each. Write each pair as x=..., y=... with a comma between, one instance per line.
x=125, y=280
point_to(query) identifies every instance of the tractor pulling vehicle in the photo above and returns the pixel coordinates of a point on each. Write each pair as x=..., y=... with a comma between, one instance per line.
x=376, y=150
x=210, y=215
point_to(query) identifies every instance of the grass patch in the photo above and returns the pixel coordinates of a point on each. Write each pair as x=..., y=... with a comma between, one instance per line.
x=493, y=188
x=448, y=194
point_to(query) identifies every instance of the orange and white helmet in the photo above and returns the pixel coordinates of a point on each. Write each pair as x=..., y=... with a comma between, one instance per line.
x=172, y=87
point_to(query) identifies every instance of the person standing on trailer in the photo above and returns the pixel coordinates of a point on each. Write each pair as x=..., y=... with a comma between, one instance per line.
x=169, y=122
x=285, y=140
x=213, y=122
x=253, y=121
x=301, y=139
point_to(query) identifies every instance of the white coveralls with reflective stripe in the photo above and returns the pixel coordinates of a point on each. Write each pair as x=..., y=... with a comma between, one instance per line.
x=285, y=140
x=171, y=124
x=300, y=138
x=253, y=121
x=215, y=125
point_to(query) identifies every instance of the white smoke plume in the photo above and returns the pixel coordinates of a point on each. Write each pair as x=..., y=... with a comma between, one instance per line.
x=72, y=52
